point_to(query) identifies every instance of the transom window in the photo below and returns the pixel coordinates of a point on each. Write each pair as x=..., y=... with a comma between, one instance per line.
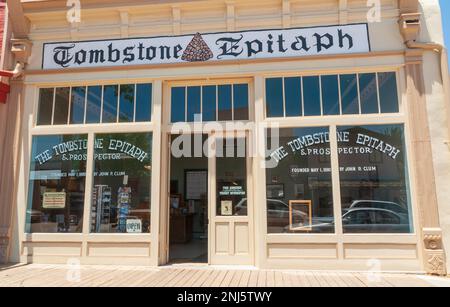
x=120, y=103
x=344, y=94
x=210, y=103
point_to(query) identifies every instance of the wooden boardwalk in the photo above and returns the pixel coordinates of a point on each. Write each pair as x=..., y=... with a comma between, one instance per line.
x=199, y=276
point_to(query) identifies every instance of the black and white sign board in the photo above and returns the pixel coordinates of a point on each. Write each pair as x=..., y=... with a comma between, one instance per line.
x=263, y=44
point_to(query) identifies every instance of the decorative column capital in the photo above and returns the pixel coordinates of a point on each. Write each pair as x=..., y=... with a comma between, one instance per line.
x=409, y=20
x=21, y=48
x=409, y=26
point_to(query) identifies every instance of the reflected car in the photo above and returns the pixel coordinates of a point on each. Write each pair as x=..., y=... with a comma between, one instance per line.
x=277, y=212
x=367, y=220
x=387, y=205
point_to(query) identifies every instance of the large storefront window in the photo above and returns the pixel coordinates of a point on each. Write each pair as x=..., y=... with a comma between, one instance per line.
x=298, y=175
x=373, y=179
x=57, y=184
x=375, y=195
x=122, y=183
x=372, y=159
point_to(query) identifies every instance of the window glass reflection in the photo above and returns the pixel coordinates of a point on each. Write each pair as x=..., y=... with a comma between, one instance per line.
x=178, y=105
x=143, y=102
x=298, y=176
x=368, y=93
x=77, y=105
x=61, y=113
x=330, y=95
x=209, y=103
x=57, y=184
x=373, y=179
x=274, y=97
x=388, y=92
x=339, y=94
x=122, y=183
x=349, y=94
x=225, y=103
x=110, y=101
x=193, y=104
x=240, y=101
x=93, y=104
x=311, y=96
x=293, y=96
x=126, y=104
x=45, y=108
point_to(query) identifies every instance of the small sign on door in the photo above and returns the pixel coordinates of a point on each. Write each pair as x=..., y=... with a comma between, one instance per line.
x=226, y=207
x=54, y=200
x=134, y=226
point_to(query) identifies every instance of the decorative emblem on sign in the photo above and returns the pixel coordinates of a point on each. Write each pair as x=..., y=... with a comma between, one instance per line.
x=197, y=50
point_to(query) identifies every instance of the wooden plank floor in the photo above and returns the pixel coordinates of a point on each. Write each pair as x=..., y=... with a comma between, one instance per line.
x=199, y=276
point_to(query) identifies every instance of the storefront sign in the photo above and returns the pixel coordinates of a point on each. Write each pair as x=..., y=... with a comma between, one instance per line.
x=54, y=200
x=232, y=191
x=305, y=146
x=262, y=44
x=70, y=151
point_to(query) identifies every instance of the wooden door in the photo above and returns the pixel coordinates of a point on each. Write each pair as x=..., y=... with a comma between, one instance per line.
x=230, y=201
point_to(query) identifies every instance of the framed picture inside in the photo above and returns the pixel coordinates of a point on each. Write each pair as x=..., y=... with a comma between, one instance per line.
x=226, y=207
x=275, y=191
x=175, y=201
x=300, y=215
x=196, y=184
